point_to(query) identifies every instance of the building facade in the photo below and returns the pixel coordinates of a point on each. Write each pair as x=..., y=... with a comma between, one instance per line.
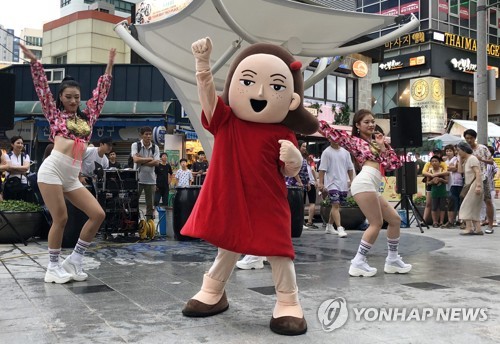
x=119, y=8
x=7, y=45
x=433, y=67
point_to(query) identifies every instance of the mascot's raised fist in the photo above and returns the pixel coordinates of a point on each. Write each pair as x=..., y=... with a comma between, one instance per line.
x=202, y=48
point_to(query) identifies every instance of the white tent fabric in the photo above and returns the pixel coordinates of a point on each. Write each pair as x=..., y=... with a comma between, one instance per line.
x=307, y=31
x=458, y=126
x=447, y=139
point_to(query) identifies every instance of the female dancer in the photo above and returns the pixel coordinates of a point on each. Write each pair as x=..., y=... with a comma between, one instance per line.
x=374, y=155
x=71, y=130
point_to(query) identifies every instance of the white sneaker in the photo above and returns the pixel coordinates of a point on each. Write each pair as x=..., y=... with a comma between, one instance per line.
x=330, y=229
x=341, y=232
x=250, y=262
x=74, y=270
x=362, y=268
x=57, y=275
x=396, y=266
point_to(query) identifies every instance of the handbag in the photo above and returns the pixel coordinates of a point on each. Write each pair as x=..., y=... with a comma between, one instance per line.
x=466, y=189
x=12, y=188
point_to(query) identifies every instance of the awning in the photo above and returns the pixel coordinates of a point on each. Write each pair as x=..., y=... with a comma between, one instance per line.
x=190, y=135
x=493, y=129
x=124, y=108
x=116, y=122
x=307, y=31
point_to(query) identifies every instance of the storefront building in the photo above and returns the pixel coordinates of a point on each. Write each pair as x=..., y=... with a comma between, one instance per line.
x=433, y=67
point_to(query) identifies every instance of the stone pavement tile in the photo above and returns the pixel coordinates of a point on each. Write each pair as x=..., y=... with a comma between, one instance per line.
x=24, y=336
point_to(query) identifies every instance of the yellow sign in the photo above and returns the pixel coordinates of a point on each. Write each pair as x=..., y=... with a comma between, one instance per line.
x=406, y=40
x=428, y=94
x=470, y=44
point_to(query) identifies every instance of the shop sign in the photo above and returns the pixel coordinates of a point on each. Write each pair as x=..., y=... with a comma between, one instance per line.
x=360, y=69
x=464, y=13
x=463, y=65
x=149, y=11
x=466, y=66
x=465, y=43
x=406, y=40
x=428, y=94
x=403, y=61
x=443, y=6
x=411, y=7
x=391, y=65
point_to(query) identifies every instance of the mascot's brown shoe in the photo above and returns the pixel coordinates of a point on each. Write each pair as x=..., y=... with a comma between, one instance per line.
x=197, y=309
x=288, y=326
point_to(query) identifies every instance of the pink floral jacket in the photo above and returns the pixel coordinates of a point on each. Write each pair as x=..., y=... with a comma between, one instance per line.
x=361, y=149
x=57, y=118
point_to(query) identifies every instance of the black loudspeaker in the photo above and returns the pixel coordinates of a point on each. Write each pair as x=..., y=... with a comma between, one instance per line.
x=406, y=179
x=406, y=127
x=7, y=100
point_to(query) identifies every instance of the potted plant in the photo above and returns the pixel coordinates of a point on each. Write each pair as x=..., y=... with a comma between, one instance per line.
x=352, y=217
x=27, y=218
x=325, y=209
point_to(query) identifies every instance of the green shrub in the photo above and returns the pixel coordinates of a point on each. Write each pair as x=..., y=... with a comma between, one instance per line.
x=19, y=206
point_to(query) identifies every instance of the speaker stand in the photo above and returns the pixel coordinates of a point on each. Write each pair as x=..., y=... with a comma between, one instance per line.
x=8, y=223
x=408, y=203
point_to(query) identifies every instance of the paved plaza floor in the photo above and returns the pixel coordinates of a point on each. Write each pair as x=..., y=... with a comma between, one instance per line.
x=136, y=290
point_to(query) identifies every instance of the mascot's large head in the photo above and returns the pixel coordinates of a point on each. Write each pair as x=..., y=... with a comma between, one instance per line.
x=265, y=85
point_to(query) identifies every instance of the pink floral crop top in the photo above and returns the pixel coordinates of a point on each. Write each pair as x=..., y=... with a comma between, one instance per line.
x=60, y=120
x=361, y=149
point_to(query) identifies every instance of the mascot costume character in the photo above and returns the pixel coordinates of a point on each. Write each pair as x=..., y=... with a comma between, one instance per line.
x=242, y=207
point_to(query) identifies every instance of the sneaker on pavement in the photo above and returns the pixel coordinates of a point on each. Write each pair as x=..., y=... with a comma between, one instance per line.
x=341, y=232
x=489, y=230
x=393, y=266
x=250, y=262
x=74, y=270
x=57, y=275
x=310, y=226
x=361, y=269
x=330, y=229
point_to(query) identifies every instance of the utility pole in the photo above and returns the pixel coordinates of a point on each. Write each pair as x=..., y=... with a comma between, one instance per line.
x=482, y=77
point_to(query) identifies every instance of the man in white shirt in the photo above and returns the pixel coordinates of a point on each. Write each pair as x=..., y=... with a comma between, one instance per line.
x=95, y=155
x=336, y=172
x=146, y=156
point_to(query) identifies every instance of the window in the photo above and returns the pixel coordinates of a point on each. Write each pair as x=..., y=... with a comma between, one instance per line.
x=61, y=59
x=55, y=75
x=65, y=3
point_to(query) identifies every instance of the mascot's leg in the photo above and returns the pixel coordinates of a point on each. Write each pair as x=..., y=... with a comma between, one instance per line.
x=288, y=318
x=211, y=299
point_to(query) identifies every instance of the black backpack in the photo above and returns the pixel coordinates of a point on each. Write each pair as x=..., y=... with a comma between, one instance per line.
x=130, y=162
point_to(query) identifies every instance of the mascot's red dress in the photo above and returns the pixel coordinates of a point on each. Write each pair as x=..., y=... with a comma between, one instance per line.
x=242, y=206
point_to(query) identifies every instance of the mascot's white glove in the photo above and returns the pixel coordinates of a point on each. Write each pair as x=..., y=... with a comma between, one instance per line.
x=202, y=49
x=292, y=158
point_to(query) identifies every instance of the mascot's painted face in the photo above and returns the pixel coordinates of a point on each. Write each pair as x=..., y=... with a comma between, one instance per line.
x=261, y=89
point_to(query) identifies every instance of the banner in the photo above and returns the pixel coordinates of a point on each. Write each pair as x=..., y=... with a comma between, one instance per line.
x=428, y=94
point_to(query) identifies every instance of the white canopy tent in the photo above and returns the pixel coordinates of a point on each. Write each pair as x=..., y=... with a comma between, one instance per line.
x=447, y=139
x=307, y=31
x=458, y=126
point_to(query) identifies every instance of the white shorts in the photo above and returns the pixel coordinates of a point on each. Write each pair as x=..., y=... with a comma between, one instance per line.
x=60, y=169
x=368, y=180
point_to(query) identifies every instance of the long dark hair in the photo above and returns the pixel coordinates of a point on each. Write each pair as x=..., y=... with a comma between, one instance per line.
x=69, y=81
x=299, y=120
